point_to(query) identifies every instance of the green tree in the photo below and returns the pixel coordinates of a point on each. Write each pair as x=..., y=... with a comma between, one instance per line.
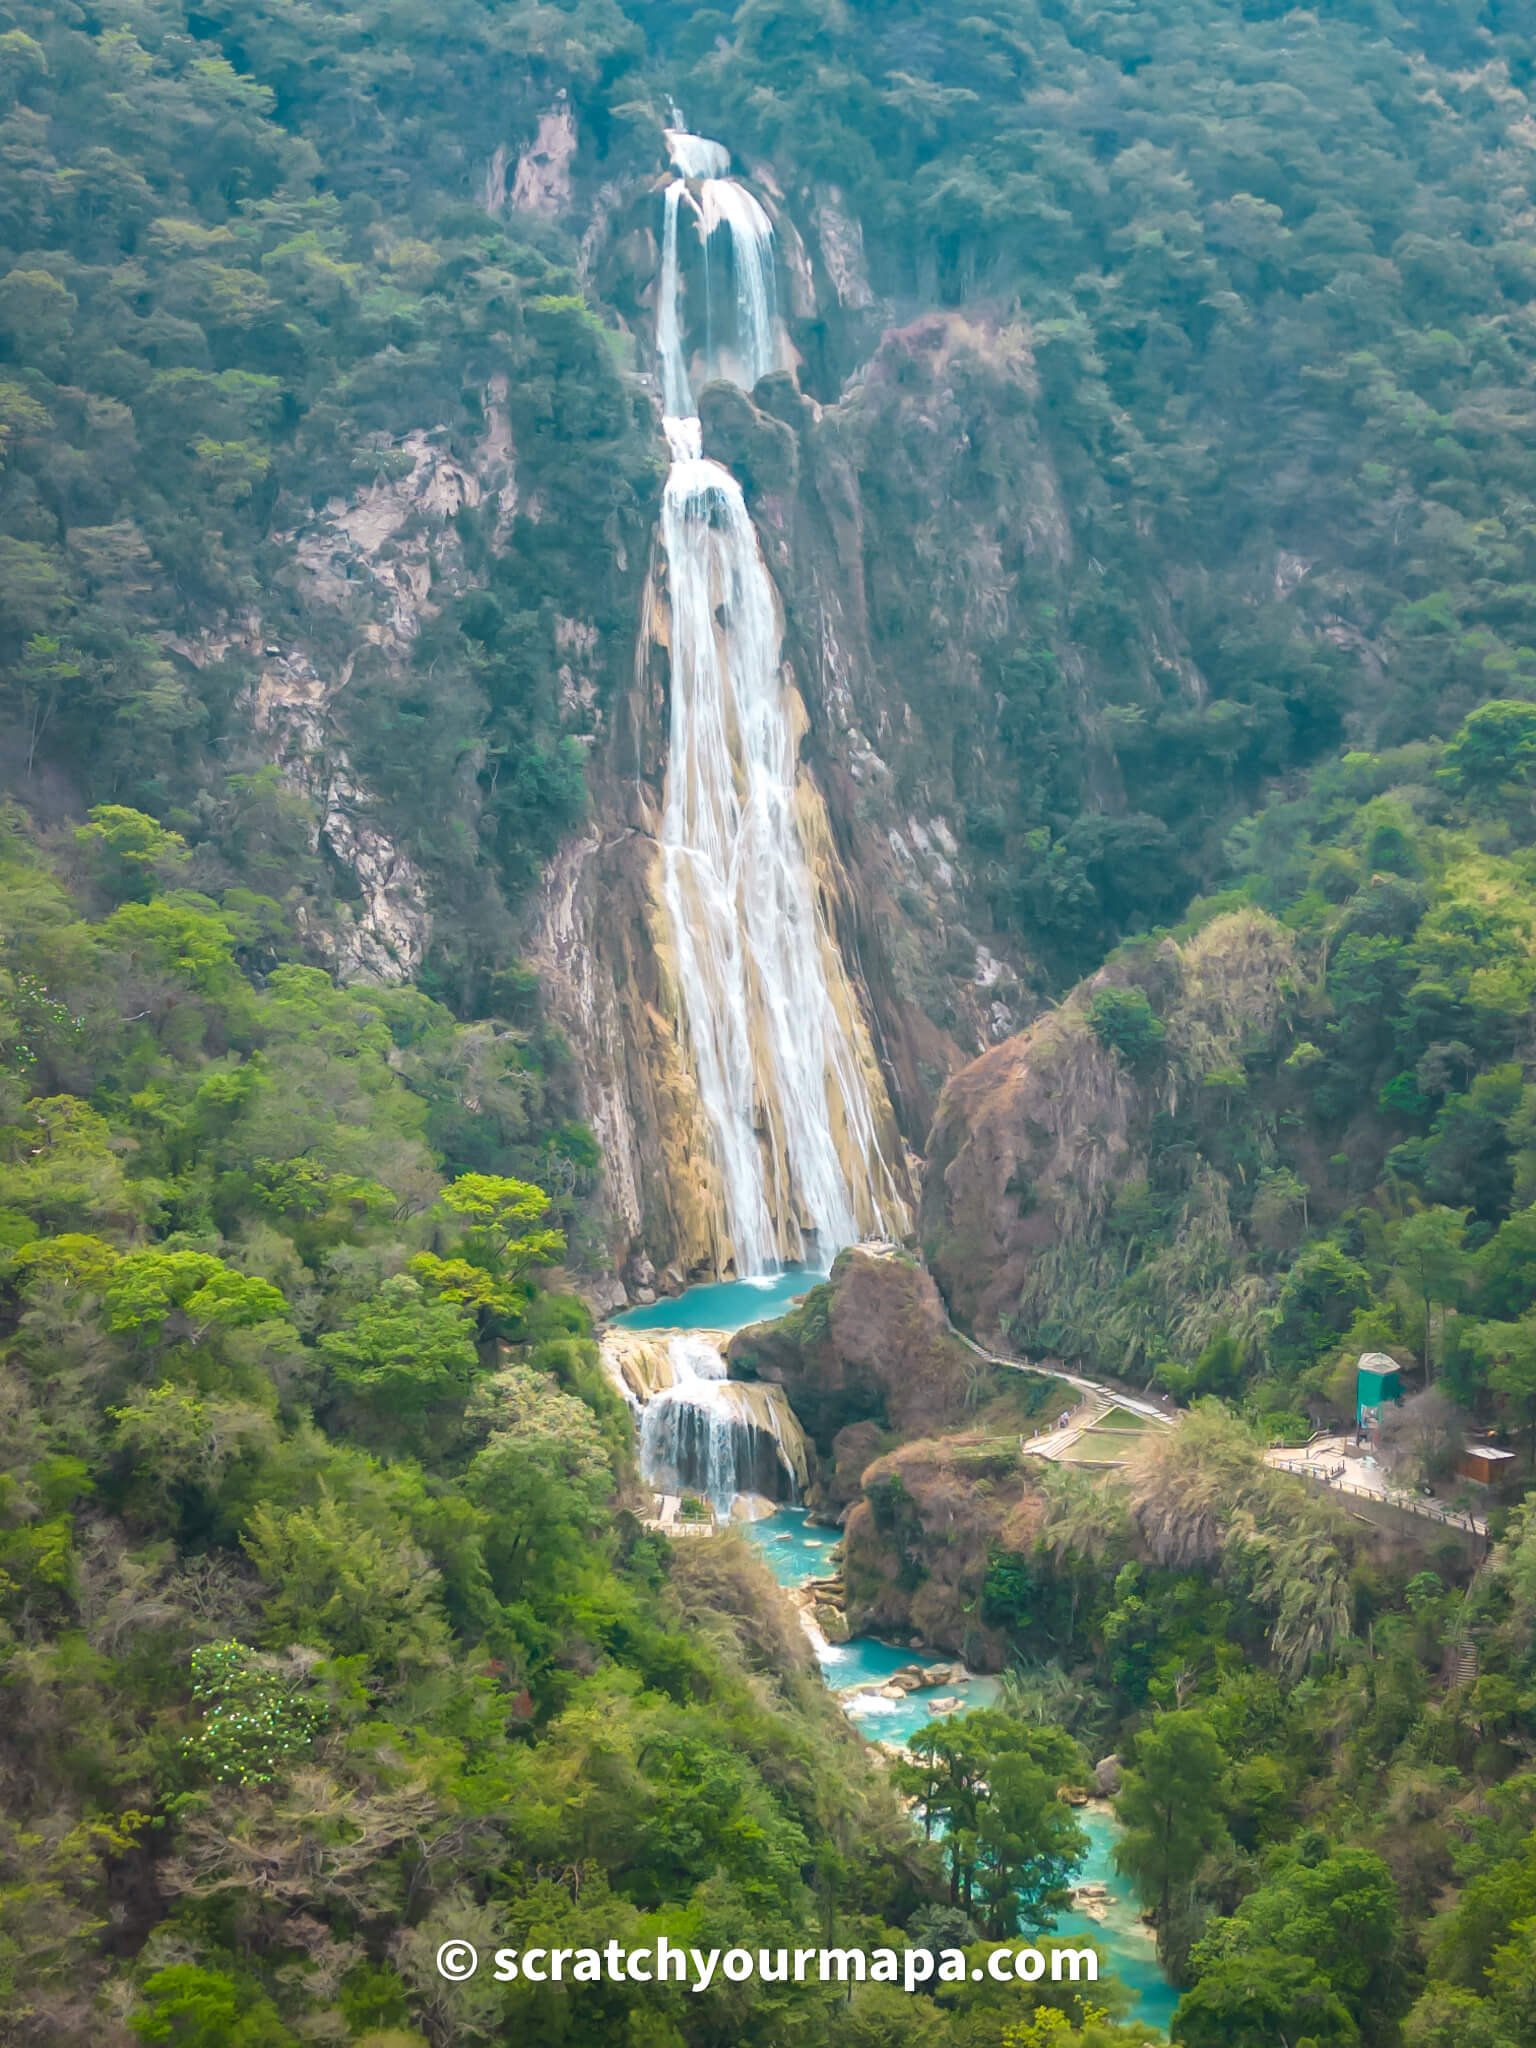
x=990, y=1782
x=1494, y=752
x=1508, y=1353
x=186, y=2006
x=130, y=853
x=1172, y=1807
x=176, y=1294
x=1340, y=1916
x=1264, y=1999
x=499, y=1247
x=254, y=1719
x=402, y=1356
x=1125, y=1022
x=1429, y=1267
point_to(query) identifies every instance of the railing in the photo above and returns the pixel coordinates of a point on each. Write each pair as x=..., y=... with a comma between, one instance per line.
x=1431, y=1510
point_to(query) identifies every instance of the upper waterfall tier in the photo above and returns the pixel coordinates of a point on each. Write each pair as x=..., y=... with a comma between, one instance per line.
x=740, y=301
x=696, y=156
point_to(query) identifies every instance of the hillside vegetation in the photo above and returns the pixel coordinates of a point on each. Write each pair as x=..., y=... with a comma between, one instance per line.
x=1165, y=421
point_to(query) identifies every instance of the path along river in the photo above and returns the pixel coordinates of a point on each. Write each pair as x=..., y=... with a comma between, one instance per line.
x=796, y=1550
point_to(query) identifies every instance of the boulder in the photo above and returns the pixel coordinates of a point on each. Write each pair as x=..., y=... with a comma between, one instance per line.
x=833, y=1624
x=1108, y=1775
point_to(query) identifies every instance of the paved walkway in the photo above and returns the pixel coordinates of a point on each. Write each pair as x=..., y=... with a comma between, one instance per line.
x=1097, y=1392
x=1338, y=1463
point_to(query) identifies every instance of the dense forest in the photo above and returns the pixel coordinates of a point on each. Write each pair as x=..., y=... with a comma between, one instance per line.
x=1179, y=358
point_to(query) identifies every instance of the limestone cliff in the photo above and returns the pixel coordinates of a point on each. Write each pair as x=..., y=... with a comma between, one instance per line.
x=968, y=689
x=868, y=1360
x=865, y=1359
x=358, y=580
x=900, y=556
x=916, y=1547
x=1034, y=1140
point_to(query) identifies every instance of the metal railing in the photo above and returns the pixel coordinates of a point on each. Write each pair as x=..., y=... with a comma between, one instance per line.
x=1431, y=1510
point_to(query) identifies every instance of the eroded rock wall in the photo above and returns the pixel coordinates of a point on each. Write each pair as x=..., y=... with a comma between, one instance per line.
x=917, y=1546
x=1033, y=1139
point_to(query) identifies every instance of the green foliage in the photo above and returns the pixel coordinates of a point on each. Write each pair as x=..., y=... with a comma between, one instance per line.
x=314, y=1556
x=1125, y=1021
x=189, y=2007
x=253, y=1720
x=1172, y=1808
x=401, y=1355
x=990, y=1783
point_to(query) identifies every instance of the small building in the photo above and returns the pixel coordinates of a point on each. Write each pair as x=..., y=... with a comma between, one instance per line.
x=1485, y=1464
x=1377, y=1381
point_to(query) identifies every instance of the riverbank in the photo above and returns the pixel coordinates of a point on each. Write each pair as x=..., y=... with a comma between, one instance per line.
x=798, y=1551
x=862, y=1671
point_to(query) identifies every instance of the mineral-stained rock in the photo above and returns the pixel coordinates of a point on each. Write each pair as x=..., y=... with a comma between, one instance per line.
x=917, y=1547
x=866, y=1357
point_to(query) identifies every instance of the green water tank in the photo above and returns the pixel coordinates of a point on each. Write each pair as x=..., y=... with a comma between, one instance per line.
x=1377, y=1380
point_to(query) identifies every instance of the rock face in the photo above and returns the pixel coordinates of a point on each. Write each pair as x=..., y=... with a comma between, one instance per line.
x=542, y=181
x=1032, y=1139
x=867, y=1357
x=885, y=534
x=907, y=489
x=917, y=1546
x=363, y=571
x=1027, y=1141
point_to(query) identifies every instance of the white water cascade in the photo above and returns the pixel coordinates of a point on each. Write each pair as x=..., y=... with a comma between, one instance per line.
x=699, y=1431
x=778, y=1045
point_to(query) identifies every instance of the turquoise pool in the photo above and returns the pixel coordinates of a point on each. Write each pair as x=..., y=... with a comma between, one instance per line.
x=795, y=1550
x=725, y=1305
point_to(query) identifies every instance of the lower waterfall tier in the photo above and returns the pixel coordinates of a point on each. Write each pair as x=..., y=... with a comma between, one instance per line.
x=700, y=1432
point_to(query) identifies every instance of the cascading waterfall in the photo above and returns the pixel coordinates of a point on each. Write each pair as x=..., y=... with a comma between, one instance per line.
x=701, y=1432
x=773, y=1026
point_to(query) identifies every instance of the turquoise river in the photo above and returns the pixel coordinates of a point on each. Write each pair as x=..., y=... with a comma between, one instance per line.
x=796, y=1550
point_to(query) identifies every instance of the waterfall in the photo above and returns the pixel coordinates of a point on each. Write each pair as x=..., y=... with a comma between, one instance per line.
x=777, y=1042
x=676, y=395
x=729, y=211
x=700, y=1432
x=696, y=156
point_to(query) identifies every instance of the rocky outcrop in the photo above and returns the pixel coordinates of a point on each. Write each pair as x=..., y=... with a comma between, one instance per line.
x=1027, y=1143
x=542, y=181
x=363, y=571
x=916, y=1547
x=885, y=541
x=1032, y=1139
x=866, y=1358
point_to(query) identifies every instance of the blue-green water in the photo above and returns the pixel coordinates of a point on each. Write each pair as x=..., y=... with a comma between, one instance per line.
x=795, y=1550
x=727, y=1305
x=1126, y=1945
